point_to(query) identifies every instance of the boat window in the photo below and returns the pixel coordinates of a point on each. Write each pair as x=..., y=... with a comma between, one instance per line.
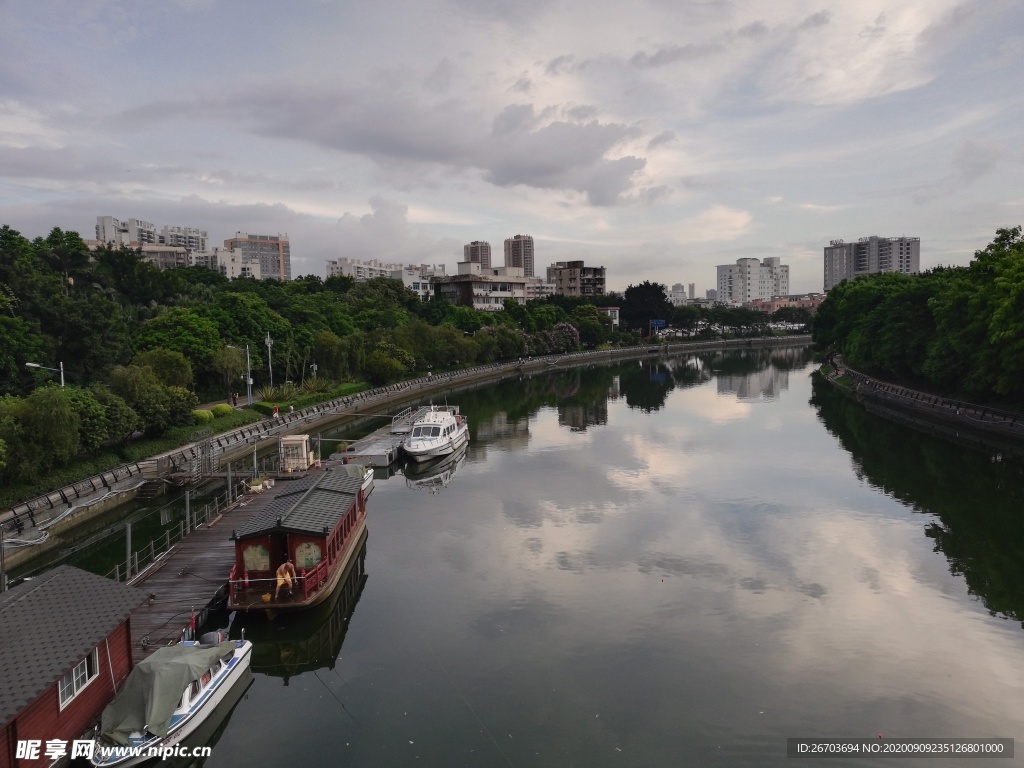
x=207, y=676
x=435, y=431
x=194, y=694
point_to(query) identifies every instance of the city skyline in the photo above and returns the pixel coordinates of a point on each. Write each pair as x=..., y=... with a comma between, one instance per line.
x=660, y=140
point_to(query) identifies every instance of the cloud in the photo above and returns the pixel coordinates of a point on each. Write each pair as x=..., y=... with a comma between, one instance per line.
x=755, y=30
x=718, y=222
x=517, y=146
x=974, y=159
x=665, y=137
x=560, y=65
x=815, y=20
x=386, y=234
x=670, y=54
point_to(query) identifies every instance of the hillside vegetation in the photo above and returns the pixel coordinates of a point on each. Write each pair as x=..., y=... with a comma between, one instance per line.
x=955, y=331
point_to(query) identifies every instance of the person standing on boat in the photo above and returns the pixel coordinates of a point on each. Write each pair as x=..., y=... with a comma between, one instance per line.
x=285, y=578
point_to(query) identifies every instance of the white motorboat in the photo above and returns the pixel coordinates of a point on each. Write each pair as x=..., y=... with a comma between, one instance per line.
x=440, y=431
x=166, y=697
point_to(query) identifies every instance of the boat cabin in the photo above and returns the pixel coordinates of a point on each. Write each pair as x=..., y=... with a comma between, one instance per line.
x=314, y=523
x=295, y=453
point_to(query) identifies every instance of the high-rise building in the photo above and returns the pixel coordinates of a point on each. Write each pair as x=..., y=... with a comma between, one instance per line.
x=693, y=291
x=479, y=252
x=749, y=279
x=519, y=253
x=845, y=261
x=572, y=278
x=272, y=251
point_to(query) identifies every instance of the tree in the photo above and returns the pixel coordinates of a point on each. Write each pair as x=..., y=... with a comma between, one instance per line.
x=122, y=421
x=643, y=303
x=229, y=362
x=171, y=367
x=93, y=426
x=49, y=416
x=182, y=330
x=64, y=251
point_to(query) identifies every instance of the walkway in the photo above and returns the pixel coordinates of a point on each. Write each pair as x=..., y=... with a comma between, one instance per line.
x=967, y=415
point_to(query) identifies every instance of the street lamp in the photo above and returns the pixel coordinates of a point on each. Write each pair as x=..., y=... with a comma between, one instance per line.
x=248, y=374
x=270, y=365
x=55, y=370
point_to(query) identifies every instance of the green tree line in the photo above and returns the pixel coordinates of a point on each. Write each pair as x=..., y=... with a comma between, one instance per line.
x=140, y=347
x=956, y=331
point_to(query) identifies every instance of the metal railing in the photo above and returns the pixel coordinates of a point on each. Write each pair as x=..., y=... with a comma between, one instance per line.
x=139, y=560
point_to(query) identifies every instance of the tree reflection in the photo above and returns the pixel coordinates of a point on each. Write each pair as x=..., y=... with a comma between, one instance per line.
x=977, y=495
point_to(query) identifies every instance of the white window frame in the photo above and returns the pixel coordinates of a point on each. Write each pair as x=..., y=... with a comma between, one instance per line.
x=78, y=679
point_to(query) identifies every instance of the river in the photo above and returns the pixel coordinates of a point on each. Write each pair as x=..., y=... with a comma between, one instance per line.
x=681, y=561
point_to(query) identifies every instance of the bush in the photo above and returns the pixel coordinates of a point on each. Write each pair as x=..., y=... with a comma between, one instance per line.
x=201, y=416
x=221, y=409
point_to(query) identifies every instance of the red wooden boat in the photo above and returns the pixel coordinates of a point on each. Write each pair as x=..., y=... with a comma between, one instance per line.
x=316, y=523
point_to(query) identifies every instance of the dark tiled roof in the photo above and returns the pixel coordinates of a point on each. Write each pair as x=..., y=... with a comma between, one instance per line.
x=48, y=624
x=308, y=505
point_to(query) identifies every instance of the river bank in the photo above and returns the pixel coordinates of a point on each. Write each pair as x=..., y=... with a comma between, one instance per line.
x=918, y=408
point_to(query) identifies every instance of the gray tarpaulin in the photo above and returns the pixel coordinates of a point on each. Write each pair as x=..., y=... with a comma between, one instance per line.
x=153, y=689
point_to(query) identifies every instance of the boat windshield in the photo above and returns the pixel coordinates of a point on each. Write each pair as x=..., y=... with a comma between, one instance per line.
x=426, y=431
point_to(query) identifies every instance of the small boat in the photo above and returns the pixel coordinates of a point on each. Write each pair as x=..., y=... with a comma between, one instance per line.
x=438, y=432
x=361, y=471
x=166, y=697
x=296, y=546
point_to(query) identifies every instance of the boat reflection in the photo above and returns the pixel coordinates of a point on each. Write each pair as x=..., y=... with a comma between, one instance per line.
x=435, y=475
x=311, y=640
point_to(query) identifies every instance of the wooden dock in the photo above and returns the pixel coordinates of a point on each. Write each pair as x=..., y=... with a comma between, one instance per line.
x=382, y=447
x=192, y=575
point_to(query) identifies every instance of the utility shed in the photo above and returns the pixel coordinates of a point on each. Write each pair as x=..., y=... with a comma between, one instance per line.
x=66, y=649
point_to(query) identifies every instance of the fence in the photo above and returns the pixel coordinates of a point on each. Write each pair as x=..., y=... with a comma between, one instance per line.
x=137, y=561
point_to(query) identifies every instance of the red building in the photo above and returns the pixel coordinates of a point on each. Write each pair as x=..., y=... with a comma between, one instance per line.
x=65, y=648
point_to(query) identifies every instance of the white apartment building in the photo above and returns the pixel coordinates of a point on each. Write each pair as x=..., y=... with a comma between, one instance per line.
x=133, y=232
x=367, y=270
x=237, y=263
x=845, y=261
x=537, y=288
x=184, y=237
x=483, y=289
x=749, y=279
x=677, y=296
x=417, y=278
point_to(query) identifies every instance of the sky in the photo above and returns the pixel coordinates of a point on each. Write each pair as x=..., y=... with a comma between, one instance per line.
x=657, y=138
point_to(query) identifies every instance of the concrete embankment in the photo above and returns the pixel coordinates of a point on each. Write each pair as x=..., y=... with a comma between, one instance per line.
x=71, y=505
x=911, y=406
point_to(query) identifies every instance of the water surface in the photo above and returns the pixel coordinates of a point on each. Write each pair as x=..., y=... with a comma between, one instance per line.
x=665, y=562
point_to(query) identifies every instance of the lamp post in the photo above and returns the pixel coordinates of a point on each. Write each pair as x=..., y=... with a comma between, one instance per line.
x=55, y=370
x=248, y=376
x=270, y=365
x=248, y=373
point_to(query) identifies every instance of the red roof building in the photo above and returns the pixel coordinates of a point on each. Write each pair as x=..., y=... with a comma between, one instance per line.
x=66, y=650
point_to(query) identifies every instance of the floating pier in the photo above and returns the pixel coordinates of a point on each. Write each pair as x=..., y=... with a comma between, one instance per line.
x=381, y=448
x=191, y=577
